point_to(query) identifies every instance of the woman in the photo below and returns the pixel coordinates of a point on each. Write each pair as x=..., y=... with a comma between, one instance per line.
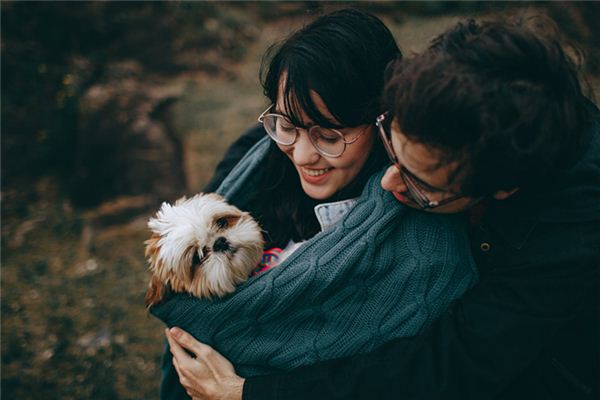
x=315, y=190
x=330, y=74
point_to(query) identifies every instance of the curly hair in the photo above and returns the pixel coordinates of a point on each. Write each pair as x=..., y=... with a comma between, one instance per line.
x=499, y=96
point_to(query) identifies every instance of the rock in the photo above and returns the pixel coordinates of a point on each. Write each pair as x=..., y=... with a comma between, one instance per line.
x=125, y=144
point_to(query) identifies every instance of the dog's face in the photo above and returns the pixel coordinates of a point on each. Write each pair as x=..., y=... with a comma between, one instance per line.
x=202, y=246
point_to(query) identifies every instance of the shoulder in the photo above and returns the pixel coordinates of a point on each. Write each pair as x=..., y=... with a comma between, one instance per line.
x=513, y=246
x=434, y=230
x=234, y=154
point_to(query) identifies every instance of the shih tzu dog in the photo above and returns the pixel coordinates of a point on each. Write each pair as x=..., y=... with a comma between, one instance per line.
x=203, y=246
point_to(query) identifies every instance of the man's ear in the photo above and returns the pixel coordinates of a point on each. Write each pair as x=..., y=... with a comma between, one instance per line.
x=503, y=194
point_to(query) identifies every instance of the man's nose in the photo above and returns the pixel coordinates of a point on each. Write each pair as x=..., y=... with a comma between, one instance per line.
x=304, y=151
x=392, y=180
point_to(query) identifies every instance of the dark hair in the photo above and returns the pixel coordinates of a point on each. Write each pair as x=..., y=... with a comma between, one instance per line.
x=342, y=56
x=500, y=97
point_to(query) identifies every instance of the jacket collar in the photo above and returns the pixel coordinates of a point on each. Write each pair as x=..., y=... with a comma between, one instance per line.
x=572, y=197
x=509, y=222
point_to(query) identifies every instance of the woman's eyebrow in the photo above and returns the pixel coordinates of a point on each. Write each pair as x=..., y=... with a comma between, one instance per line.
x=289, y=118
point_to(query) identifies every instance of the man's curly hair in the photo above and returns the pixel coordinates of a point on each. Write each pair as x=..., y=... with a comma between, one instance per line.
x=502, y=97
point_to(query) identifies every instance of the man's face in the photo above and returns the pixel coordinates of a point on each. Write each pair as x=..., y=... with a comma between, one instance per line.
x=429, y=176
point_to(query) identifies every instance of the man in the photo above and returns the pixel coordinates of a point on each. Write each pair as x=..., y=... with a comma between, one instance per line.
x=489, y=121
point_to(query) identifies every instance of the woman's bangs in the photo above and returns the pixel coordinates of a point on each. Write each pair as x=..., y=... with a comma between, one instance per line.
x=298, y=101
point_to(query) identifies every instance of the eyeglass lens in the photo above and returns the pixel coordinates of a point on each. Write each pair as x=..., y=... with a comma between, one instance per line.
x=413, y=191
x=326, y=141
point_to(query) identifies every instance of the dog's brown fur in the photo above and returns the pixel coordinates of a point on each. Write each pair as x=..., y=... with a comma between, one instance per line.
x=190, y=278
x=157, y=290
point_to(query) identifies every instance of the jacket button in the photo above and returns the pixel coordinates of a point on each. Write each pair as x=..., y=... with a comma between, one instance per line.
x=485, y=246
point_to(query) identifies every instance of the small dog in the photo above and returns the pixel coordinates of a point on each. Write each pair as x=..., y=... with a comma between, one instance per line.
x=203, y=246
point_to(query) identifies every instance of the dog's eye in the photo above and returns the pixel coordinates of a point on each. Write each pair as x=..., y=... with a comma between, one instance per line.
x=222, y=223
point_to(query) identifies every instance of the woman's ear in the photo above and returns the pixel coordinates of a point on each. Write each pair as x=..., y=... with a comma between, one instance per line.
x=503, y=194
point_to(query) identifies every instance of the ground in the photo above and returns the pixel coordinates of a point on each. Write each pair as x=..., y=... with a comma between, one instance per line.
x=73, y=281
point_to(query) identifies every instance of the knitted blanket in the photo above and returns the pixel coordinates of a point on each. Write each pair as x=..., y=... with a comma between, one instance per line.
x=385, y=271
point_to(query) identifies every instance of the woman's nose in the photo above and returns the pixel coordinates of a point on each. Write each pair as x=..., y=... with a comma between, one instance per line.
x=392, y=180
x=304, y=151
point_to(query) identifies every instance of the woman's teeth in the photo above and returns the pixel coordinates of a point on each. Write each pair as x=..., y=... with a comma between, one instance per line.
x=315, y=172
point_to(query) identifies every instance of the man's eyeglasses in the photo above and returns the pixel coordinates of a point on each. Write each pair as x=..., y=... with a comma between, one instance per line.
x=416, y=187
x=328, y=142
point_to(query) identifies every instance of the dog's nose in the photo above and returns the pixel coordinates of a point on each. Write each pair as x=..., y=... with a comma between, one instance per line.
x=221, y=244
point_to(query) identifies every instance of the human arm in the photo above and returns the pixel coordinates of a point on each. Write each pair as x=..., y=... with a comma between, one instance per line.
x=206, y=374
x=481, y=345
x=530, y=288
x=233, y=155
x=483, y=342
x=395, y=270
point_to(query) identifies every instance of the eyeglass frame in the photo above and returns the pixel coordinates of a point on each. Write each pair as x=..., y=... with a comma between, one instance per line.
x=310, y=128
x=410, y=180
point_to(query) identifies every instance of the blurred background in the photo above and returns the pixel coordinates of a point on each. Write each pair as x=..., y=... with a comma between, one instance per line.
x=110, y=108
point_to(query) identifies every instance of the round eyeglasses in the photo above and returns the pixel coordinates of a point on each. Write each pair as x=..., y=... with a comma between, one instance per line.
x=328, y=142
x=415, y=186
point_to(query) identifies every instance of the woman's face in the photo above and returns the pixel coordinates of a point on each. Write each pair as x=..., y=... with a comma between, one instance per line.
x=321, y=177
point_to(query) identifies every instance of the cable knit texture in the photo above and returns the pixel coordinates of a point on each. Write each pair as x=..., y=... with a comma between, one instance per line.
x=385, y=271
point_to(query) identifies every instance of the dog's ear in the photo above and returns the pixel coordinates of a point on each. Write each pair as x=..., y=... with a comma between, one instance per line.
x=152, y=247
x=180, y=200
x=157, y=292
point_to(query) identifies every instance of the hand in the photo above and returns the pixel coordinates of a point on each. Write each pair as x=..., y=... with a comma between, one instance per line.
x=208, y=376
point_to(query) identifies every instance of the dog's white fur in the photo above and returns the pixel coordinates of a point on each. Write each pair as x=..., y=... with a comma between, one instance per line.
x=203, y=246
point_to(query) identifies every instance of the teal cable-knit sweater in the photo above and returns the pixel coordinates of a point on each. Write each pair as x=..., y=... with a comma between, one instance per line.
x=385, y=271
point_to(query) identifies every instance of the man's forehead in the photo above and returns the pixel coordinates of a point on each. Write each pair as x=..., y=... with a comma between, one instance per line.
x=430, y=164
x=426, y=158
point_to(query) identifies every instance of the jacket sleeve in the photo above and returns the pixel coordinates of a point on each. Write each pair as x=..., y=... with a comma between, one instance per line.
x=485, y=340
x=233, y=155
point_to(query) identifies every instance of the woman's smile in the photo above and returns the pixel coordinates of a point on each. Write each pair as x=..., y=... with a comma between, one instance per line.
x=315, y=172
x=314, y=176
